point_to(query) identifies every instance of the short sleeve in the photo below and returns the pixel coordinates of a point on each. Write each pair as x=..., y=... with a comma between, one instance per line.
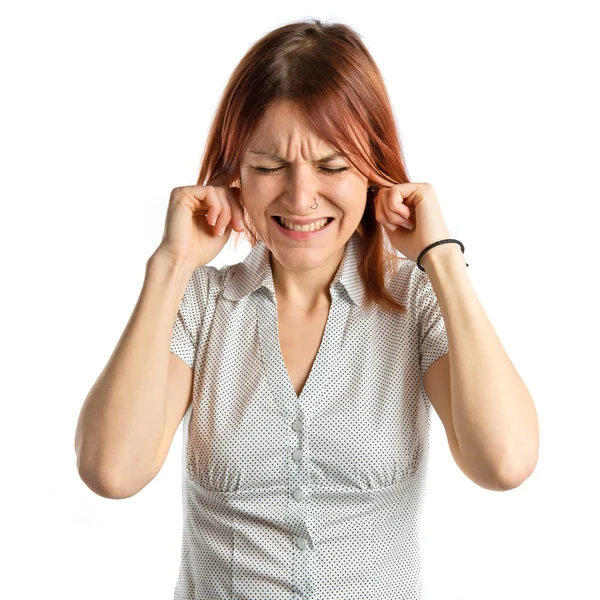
x=184, y=337
x=432, y=329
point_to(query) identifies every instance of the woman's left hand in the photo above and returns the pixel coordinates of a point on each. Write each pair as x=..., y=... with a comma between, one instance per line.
x=413, y=204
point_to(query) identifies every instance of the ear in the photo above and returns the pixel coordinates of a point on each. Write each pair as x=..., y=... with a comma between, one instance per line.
x=375, y=179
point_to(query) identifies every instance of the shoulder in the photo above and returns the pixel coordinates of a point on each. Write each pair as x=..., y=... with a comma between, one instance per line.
x=408, y=283
x=204, y=283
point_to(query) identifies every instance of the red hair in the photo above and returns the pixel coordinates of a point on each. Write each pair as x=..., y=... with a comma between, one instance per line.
x=329, y=74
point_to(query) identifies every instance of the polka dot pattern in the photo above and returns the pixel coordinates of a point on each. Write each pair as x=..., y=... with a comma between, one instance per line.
x=313, y=497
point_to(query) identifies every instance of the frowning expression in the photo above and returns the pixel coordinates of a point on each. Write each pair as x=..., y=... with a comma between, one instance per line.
x=286, y=169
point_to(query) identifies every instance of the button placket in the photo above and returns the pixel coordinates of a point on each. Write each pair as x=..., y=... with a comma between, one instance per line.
x=299, y=492
x=298, y=426
x=302, y=543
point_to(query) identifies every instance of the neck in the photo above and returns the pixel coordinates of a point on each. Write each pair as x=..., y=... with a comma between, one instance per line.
x=305, y=290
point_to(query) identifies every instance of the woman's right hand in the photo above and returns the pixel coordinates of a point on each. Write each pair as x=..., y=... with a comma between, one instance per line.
x=195, y=215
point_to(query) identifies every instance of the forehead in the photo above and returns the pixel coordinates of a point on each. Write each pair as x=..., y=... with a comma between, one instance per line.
x=284, y=124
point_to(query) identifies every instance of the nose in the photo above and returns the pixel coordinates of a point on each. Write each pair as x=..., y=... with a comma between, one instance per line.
x=302, y=192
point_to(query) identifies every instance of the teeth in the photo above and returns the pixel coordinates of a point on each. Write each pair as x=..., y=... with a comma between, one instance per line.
x=316, y=225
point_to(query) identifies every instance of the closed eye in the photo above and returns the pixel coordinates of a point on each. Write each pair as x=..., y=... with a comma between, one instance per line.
x=267, y=171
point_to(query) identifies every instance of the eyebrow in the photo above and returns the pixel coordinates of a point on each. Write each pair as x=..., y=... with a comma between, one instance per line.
x=273, y=155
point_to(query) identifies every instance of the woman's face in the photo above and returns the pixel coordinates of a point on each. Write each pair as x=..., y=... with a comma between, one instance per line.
x=297, y=179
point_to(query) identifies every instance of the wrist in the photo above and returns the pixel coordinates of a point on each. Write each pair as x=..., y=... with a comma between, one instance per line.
x=438, y=255
x=163, y=259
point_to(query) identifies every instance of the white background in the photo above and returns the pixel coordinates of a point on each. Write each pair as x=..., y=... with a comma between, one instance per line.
x=106, y=107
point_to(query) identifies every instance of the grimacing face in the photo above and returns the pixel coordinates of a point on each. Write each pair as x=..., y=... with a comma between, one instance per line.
x=297, y=177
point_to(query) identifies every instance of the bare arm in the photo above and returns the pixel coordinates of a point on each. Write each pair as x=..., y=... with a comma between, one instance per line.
x=122, y=422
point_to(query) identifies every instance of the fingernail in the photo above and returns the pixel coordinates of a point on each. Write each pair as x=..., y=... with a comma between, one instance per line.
x=407, y=225
x=240, y=224
x=221, y=231
x=390, y=226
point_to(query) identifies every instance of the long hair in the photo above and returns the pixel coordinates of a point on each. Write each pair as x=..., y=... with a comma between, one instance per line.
x=329, y=74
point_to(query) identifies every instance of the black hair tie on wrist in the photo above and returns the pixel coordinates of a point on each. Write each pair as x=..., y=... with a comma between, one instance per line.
x=437, y=244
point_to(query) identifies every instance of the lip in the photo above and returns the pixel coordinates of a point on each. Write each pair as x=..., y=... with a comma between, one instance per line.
x=302, y=235
x=305, y=221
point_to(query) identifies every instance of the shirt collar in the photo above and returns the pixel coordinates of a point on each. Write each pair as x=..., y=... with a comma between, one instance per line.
x=255, y=272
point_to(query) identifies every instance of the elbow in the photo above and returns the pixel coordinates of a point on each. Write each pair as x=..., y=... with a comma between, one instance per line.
x=102, y=483
x=510, y=482
x=517, y=472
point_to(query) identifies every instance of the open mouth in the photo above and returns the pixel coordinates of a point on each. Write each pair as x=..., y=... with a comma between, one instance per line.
x=322, y=225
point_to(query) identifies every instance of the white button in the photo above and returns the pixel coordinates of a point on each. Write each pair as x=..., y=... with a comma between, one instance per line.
x=298, y=495
x=297, y=454
x=297, y=425
x=302, y=543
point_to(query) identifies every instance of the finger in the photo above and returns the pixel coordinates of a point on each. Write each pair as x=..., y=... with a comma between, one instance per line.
x=224, y=216
x=205, y=198
x=209, y=197
x=393, y=217
x=380, y=213
x=234, y=195
x=396, y=203
x=215, y=205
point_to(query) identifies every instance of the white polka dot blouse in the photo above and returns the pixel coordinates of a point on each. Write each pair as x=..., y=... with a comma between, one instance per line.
x=316, y=497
